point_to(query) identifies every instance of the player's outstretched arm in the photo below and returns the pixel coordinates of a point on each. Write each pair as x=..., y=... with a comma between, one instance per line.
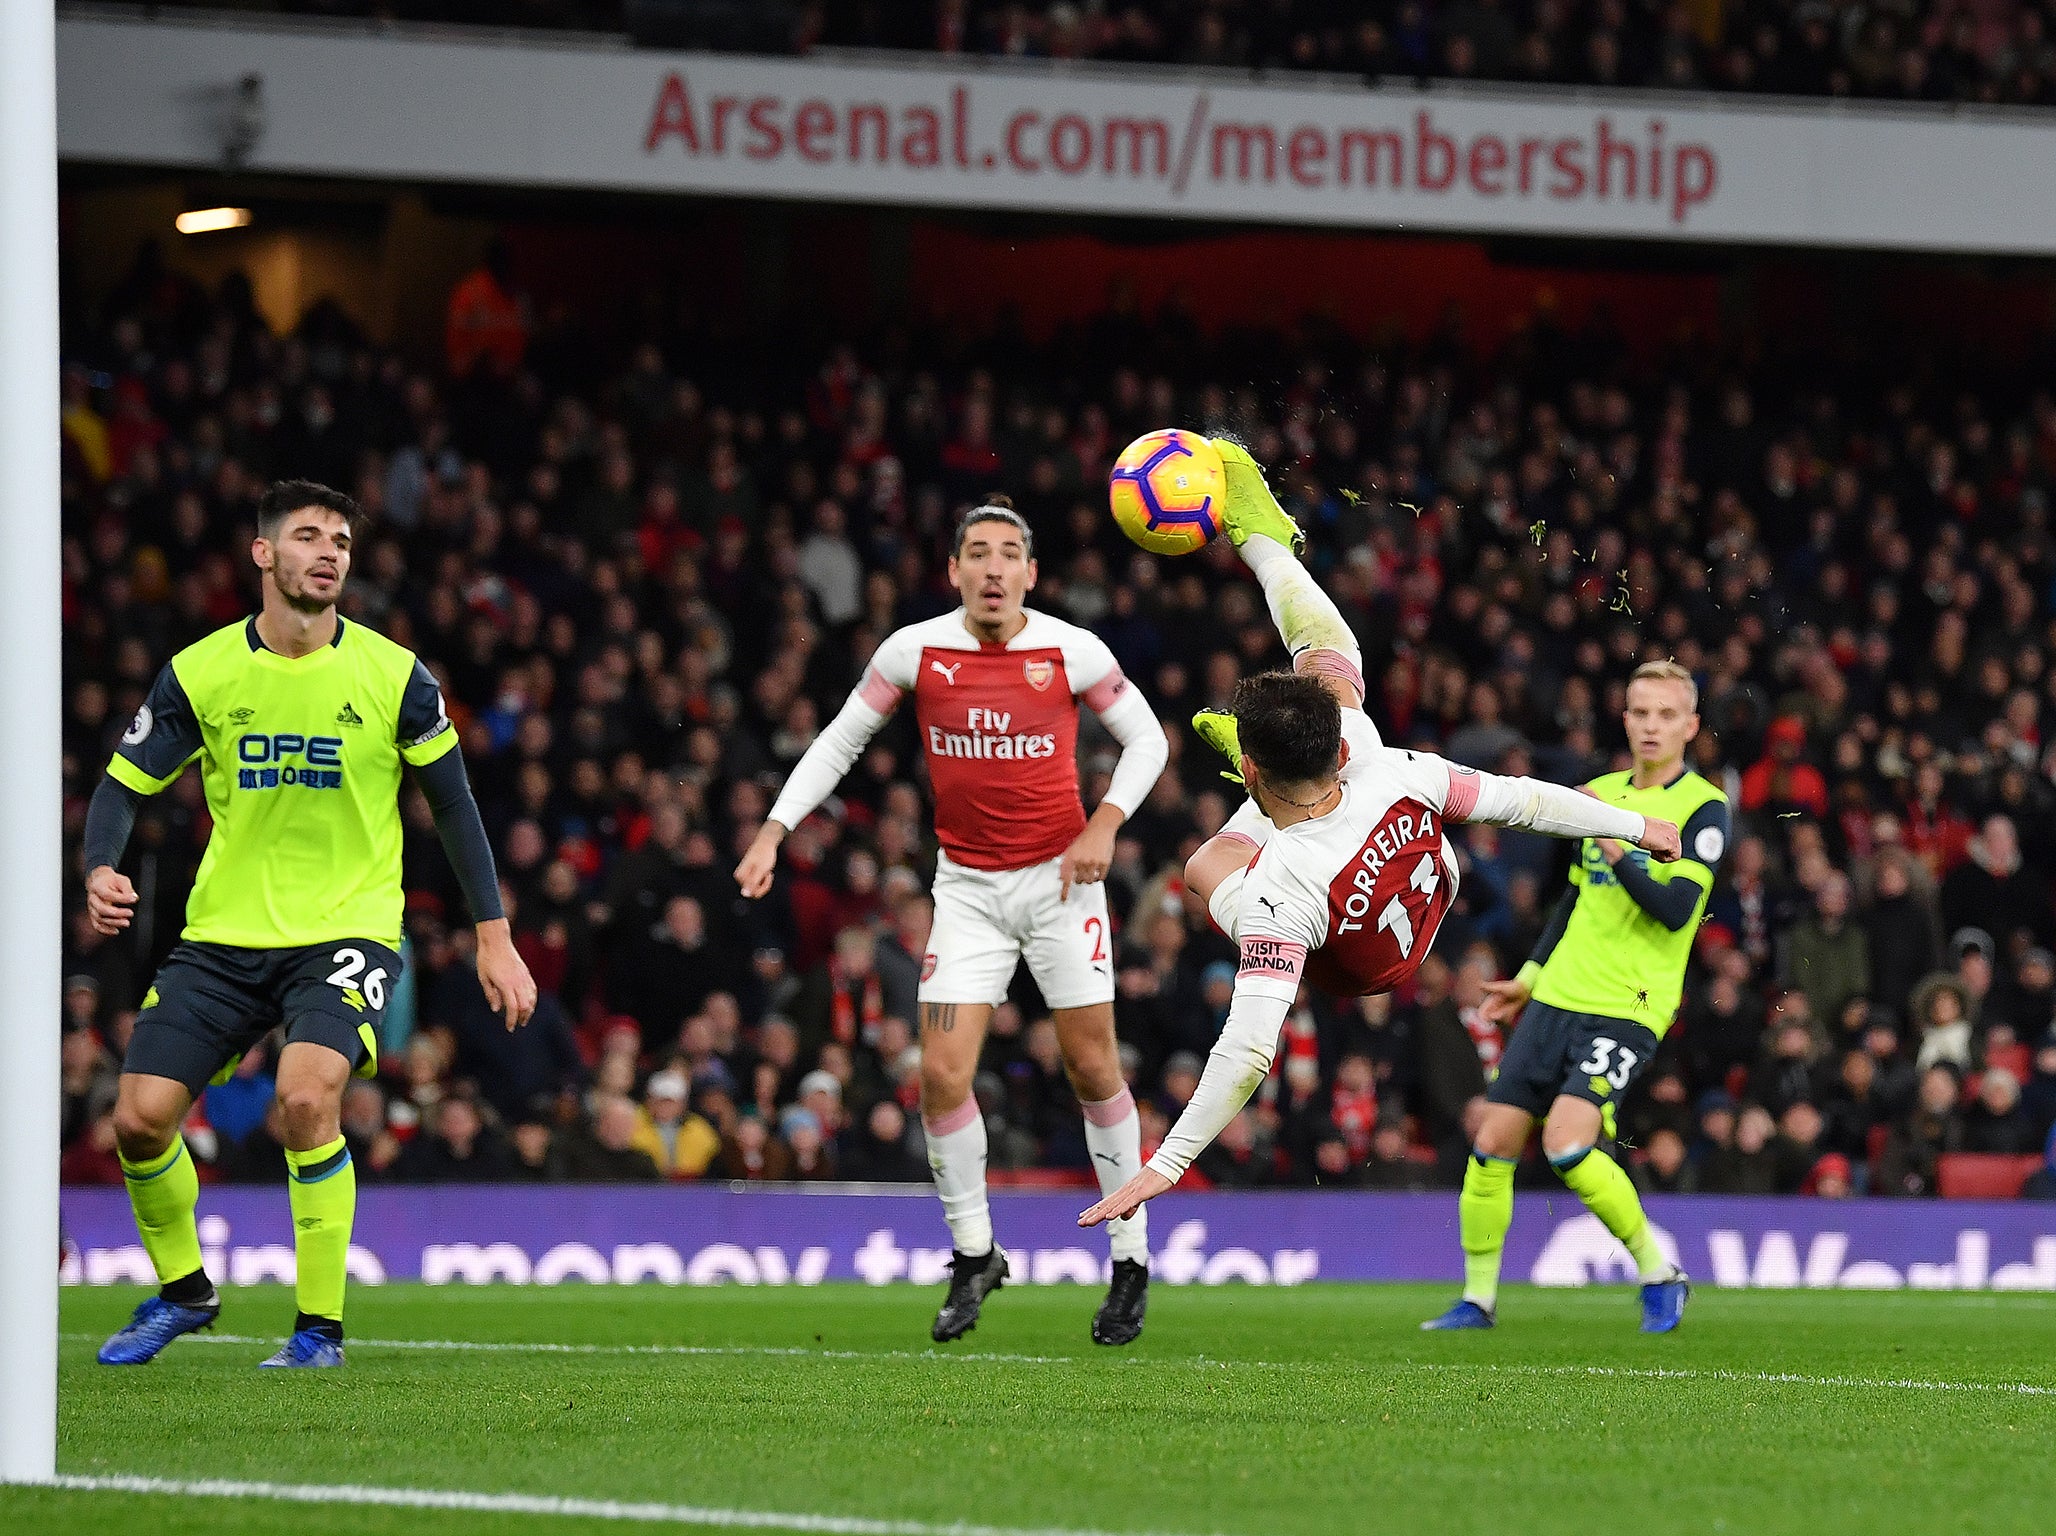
x=1239, y=1061
x=1553, y=809
x=814, y=777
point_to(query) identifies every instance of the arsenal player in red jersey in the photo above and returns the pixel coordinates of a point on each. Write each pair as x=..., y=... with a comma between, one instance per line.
x=996, y=689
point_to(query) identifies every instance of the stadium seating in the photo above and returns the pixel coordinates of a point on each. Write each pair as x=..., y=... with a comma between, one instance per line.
x=647, y=568
x=1983, y=1175
x=1930, y=51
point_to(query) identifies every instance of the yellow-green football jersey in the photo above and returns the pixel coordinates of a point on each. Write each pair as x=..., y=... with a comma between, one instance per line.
x=301, y=761
x=1615, y=959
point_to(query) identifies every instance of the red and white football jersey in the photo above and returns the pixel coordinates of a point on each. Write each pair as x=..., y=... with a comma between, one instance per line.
x=999, y=726
x=1353, y=898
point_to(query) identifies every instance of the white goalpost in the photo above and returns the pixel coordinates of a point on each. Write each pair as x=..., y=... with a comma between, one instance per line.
x=32, y=707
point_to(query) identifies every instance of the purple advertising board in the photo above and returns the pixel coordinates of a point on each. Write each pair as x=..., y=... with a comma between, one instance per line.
x=713, y=1234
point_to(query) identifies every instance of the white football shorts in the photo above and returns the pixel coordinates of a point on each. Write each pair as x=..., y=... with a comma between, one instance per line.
x=988, y=920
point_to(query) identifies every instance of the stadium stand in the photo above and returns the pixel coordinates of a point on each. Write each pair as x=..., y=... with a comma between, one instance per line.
x=648, y=573
x=1985, y=1175
x=1939, y=51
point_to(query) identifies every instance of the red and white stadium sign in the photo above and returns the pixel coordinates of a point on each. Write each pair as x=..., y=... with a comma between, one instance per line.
x=1158, y=143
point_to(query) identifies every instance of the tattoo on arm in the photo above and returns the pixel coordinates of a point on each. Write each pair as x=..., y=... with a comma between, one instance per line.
x=938, y=1016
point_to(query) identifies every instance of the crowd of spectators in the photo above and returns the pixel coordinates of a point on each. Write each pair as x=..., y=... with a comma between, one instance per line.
x=1894, y=50
x=647, y=579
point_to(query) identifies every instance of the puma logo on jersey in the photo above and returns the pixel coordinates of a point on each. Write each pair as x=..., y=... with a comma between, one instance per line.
x=949, y=673
x=1268, y=905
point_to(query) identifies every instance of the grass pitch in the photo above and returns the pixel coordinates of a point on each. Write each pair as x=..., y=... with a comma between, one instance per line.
x=1242, y=1411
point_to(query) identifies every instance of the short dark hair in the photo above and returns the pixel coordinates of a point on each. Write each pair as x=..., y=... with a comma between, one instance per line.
x=996, y=508
x=291, y=495
x=1289, y=725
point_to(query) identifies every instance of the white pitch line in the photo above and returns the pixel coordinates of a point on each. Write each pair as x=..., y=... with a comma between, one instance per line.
x=1769, y=1378
x=1487, y=1367
x=485, y=1346
x=547, y=1504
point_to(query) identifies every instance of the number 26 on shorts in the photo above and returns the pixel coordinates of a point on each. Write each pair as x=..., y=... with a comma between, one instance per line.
x=349, y=966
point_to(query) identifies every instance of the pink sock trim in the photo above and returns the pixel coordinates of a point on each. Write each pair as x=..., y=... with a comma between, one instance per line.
x=1237, y=837
x=954, y=1121
x=1112, y=1111
x=1327, y=663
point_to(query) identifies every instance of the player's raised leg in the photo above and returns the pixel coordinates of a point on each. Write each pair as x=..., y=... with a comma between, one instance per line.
x=322, y=1184
x=1484, y=1212
x=1314, y=630
x=1113, y=1135
x=952, y=1035
x=1570, y=1140
x=163, y=1190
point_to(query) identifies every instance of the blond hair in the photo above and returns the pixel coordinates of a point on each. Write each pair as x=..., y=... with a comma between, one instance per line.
x=1669, y=672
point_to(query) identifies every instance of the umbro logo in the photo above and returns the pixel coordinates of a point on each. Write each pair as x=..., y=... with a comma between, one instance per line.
x=348, y=716
x=241, y=716
x=949, y=673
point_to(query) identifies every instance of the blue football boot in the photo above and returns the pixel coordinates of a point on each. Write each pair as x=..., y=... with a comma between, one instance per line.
x=309, y=1349
x=1663, y=1302
x=1465, y=1314
x=155, y=1324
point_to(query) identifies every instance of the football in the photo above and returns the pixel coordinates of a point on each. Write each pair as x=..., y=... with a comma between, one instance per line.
x=1167, y=490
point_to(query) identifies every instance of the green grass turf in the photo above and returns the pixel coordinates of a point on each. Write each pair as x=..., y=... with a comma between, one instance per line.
x=1242, y=1410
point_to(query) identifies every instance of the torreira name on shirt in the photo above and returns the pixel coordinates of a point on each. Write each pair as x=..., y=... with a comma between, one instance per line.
x=1389, y=841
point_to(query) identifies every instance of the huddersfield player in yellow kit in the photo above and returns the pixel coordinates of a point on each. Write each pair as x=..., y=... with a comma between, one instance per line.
x=1594, y=1000
x=301, y=723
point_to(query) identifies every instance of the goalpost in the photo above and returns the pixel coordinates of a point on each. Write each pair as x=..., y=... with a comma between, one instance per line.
x=31, y=705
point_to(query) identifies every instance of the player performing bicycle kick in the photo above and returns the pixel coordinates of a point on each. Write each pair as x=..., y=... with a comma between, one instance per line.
x=1339, y=869
x=996, y=688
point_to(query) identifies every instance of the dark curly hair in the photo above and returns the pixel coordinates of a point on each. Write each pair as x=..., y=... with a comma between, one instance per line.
x=1290, y=726
x=292, y=495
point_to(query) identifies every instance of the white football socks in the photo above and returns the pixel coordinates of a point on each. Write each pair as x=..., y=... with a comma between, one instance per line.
x=1113, y=1135
x=956, y=1154
x=1305, y=615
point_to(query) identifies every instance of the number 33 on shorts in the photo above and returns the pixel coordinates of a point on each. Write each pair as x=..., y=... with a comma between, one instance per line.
x=1610, y=1060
